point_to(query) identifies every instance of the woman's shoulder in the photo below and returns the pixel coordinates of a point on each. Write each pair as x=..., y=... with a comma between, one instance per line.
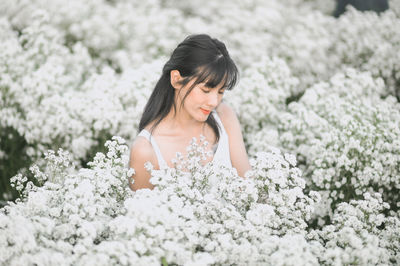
x=142, y=150
x=226, y=114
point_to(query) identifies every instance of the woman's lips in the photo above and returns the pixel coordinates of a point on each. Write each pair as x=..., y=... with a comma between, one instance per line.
x=206, y=112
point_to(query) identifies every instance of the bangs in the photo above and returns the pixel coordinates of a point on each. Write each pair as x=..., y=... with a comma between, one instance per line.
x=221, y=70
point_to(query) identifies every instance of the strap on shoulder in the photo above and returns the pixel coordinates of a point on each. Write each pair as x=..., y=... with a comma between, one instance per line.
x=146, y=134
x=219, y=122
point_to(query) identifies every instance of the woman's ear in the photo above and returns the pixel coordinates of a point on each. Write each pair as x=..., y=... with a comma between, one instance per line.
x=175, y=78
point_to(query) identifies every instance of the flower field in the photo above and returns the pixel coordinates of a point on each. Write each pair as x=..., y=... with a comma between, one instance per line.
x=319, y=105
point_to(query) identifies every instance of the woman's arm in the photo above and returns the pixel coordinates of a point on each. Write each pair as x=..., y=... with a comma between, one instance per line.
x=237, y=149
x=141, y=152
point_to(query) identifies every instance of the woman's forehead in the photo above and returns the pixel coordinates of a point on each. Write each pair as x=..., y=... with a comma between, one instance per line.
x=212, y=80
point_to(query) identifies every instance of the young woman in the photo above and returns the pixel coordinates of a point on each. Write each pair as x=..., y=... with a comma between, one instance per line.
x=187, y=102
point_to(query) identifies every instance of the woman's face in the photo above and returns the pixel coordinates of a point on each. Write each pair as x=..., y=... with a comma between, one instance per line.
x=200, y=101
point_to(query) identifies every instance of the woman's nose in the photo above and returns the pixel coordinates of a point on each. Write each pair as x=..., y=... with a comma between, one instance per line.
x=213, y=100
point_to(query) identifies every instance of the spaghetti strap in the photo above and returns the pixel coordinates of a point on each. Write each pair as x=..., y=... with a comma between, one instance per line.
x=161, y=162
x=222, y=154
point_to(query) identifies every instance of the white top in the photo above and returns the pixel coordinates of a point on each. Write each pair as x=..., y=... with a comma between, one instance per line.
x=221, y=154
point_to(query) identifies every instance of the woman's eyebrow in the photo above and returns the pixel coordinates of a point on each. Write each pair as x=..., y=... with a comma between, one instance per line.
x=208, y=85
x=223, y=88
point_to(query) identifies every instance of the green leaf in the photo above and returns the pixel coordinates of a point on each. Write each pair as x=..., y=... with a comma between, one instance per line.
x=164, y=261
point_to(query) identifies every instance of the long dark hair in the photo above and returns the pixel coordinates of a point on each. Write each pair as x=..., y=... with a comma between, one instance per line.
x=198, y=57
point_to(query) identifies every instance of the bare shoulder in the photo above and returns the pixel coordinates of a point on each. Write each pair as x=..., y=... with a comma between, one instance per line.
x=237, y=147
x=225, y=109
x=227, y=115
x=142, y=151
x=141, y=146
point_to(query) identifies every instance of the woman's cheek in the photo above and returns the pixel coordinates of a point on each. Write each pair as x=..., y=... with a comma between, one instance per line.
x=220, y=98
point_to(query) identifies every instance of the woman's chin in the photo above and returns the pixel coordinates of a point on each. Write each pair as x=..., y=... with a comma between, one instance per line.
x=204, y=117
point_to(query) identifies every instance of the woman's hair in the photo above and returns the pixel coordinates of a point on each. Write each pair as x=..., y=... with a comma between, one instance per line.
x=198, y=57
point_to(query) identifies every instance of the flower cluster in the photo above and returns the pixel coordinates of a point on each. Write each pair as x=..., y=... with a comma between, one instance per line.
x=354, y=235
x=367, y=41
x=68, y=212
x=75, y=73
x=261, y=97
x=395, y=7
x=54, y=98
x=346, y=137
x=201, y=215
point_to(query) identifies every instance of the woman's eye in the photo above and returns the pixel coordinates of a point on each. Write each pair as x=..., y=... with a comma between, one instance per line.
x=205, y=91
x=221, y=92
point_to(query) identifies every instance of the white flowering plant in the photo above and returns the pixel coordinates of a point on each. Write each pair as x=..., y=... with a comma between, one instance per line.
x=366, y=41
x=201, y=214
x=347, y=138
x=52, y=97
x=356, y=235
x=75, y=73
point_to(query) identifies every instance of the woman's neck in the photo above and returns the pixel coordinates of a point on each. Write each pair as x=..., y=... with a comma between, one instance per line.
x=182, y=122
